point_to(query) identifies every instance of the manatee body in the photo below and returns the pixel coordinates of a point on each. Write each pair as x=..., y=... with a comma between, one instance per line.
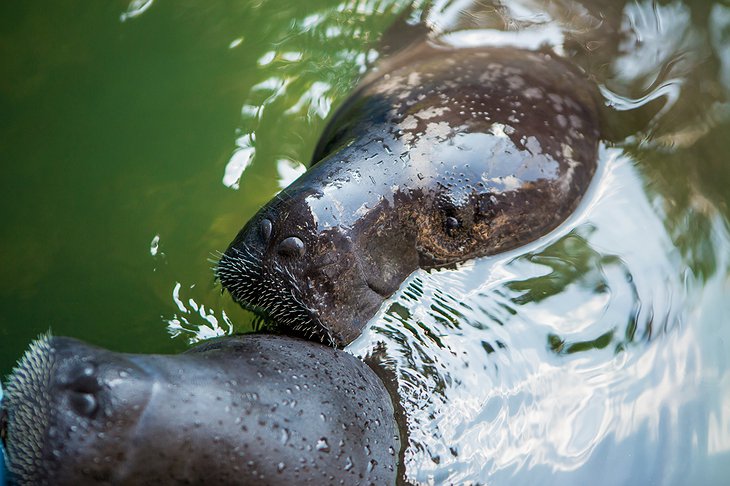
x=443, y=156
x=254, y=409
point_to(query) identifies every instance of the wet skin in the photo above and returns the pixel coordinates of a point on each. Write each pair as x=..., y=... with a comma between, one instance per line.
x=444, y=156
x=254, y=409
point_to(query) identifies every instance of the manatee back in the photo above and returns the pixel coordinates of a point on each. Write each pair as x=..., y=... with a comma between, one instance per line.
x=488, y=149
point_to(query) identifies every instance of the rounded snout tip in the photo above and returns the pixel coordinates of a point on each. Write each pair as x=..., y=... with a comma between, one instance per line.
x=60, y=391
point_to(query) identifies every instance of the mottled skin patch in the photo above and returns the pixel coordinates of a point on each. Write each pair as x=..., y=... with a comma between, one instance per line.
x=255, y=409
x=443, y=156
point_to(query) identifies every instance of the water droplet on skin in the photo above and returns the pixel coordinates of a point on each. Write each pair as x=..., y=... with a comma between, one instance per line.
x=322, y=445
x=280, y=467
x=284, y=436
x=348, y=464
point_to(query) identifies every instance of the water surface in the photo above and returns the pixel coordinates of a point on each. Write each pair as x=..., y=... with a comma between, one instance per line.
x=138, y=138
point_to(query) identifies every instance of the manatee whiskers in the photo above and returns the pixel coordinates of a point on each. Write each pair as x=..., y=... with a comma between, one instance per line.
x=272, y=291
x=28, y=404
x=214, y=259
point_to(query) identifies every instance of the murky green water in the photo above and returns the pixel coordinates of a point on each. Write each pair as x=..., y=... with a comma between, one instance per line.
x=120, y=129
x=137, y=139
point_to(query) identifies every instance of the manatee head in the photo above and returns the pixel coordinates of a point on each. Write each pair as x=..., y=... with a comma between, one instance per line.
x=67, y=399
x=296, y=264
x=254, y=409
x=449, y=155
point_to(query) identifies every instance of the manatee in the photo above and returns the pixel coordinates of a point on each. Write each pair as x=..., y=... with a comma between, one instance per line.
x=442, y=156
x=254, y=409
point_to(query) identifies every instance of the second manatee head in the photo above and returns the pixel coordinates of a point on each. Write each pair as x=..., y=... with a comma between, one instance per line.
x=253, y=409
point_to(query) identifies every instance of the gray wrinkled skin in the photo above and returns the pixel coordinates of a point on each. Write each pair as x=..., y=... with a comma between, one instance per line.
x=442, y=156
x=253, y=409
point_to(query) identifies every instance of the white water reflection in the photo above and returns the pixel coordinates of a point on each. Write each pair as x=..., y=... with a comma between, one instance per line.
x=135, y=9
x=332, y=41
x=555, y=356
x=239, y=161
x=288, y=171
x=532, y=38
x=195, y=322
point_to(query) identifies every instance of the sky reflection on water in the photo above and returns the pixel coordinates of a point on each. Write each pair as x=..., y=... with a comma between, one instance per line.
x=584, y=353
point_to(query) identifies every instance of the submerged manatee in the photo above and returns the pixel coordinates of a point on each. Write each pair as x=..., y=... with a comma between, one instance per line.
x=443, y=156
x=253, y=409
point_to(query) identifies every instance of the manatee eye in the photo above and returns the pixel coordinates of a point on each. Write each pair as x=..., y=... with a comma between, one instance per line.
x=265, y=228
x=291, y=246
x=452, y=224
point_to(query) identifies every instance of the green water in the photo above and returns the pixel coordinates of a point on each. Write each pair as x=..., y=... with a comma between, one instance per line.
x=113, y=132
x=137, y=138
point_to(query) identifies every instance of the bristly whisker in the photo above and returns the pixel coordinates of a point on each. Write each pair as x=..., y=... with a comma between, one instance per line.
x=272, y=292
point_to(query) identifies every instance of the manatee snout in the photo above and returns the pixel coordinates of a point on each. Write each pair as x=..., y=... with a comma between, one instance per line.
x=240, y=410
x=66, y=399
x=308, y=277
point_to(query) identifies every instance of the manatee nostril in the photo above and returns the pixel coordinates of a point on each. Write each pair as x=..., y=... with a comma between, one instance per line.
x=83, y=403
x=452, y=224
x=265, y=227
x=291, y=246
x=82, y=386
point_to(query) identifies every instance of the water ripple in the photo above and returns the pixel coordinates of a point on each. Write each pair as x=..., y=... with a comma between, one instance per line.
x=552, y=356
